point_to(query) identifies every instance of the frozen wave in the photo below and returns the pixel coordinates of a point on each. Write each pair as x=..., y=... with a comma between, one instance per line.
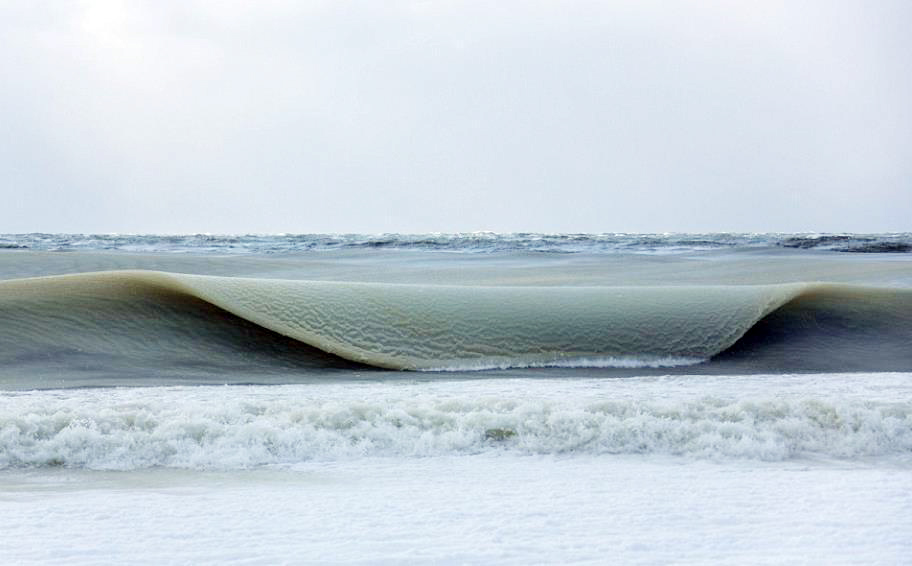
x=168, y=320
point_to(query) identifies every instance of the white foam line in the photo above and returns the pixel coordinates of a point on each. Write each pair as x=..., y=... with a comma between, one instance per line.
x=622, y=362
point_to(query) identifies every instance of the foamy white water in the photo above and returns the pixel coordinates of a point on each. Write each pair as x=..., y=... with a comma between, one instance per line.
x=764, y=418
x=722, y=469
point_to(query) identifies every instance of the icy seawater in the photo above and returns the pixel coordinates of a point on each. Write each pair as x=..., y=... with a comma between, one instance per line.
x=469, y=242
x=469, y=398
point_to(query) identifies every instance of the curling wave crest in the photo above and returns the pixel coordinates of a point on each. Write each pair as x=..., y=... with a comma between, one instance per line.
x=157, y=318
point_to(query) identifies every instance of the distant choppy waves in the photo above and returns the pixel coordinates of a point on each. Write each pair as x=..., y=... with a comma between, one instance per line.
x=470, y=242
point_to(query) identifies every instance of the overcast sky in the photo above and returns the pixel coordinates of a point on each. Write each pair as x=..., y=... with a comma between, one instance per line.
x=294, y=116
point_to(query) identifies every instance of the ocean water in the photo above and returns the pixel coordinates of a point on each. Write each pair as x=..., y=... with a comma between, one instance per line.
x=470, y=398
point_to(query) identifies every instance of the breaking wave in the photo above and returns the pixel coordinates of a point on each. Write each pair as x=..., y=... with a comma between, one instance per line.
x=237, y=428
x=157, y=319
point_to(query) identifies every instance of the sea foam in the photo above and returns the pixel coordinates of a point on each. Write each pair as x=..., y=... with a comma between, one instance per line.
x=244, y=427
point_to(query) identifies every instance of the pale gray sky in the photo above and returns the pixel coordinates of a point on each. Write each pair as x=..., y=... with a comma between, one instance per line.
x=280, y=116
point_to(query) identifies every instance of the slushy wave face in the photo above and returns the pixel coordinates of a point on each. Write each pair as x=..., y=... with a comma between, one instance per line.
x=177, y=319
